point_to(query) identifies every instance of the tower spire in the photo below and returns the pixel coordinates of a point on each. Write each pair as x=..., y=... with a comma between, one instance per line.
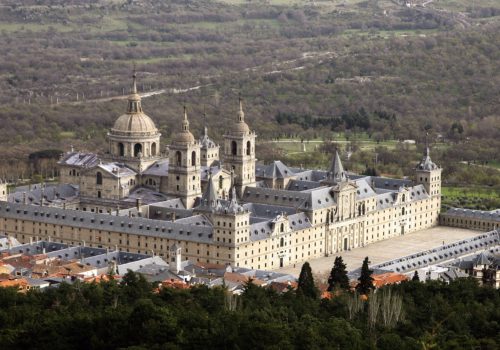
x=134, y=82
x=134, y=100
x=426, y=151
x=185, y=122
x=337, y=173
x=241, y=114
x=210, y=197
x=231, y=186
x=205, y=129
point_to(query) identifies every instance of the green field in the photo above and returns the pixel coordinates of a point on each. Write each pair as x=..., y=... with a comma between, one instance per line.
x=471, y=197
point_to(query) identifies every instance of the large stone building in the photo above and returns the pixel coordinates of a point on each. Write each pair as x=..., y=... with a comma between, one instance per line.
x=223, y=209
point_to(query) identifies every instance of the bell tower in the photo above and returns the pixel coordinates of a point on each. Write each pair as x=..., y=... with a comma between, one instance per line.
x=239, y=152
x=184, y=166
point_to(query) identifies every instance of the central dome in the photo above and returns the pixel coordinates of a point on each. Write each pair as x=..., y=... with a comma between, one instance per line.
x=132, y=123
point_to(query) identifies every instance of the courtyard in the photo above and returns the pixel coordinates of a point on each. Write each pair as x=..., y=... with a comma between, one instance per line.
x=382, y=251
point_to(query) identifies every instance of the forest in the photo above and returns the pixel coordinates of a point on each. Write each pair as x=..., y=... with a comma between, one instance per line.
x=306, y=70
x=131, y=314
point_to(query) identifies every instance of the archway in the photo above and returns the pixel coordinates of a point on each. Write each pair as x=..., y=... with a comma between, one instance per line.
x=153, y=149
x=249, y=145
x=234, y=148
x=121, y=149
x=193, y=158
x=137, y=149
x=178, y=158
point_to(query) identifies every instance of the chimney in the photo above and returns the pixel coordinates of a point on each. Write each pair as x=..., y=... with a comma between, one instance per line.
x=173, y=217
x=24, y=198
x=138, y=203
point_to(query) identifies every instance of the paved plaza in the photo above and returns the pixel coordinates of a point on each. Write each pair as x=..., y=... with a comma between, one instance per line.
x=389, y=249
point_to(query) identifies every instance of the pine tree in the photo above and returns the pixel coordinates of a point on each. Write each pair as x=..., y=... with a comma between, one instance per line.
x=306, y=285
x=338, y=276
x=416, y=277
x=365, y=279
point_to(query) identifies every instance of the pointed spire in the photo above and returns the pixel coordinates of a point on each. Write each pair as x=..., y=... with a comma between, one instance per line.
x=233, y=199
x=426, y=151
x=241, y=114
x=205, y=129
x=231, y=186
x=337, y=173
x=134, y=100
x=209, y=197
x=134, y=82
x=427, y=163
x=185, y=122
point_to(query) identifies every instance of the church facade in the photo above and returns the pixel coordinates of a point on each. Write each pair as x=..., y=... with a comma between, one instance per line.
x=218, y=208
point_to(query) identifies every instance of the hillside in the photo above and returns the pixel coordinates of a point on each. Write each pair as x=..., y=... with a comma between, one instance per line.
x=433, y=66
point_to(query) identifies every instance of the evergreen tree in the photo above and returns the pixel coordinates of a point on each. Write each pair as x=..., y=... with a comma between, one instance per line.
x=338, y=276
x=365, y=279
x=415, y=277
x=306, y=285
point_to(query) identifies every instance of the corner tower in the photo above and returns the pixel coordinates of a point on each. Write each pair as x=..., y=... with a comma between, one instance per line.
x=134, y=138
x=428, y=174
x=184, y=166
x=239, y=152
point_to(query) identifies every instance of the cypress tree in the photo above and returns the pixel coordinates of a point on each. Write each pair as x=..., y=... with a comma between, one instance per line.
x=416, y=277
x=365, y=279
x=306, y=285
x=338, y=276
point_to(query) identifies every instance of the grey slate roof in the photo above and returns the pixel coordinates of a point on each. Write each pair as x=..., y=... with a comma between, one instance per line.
x=263, y=229
x=441, y=254
x=195, y=220
x=318, y=198
x=146, y=195
x=142, y=226
x=159, y=168
x=51, y=193
x=364, y=189
x=493, y=215
x=452, y=274
x=267, y=211
x=117, y=169
x=302, y=185
x=79, y=159
x=385, y=200
x=170, y=203
x=275, y=170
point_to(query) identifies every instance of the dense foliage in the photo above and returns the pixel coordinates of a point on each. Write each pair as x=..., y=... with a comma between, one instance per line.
x=128, y=315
